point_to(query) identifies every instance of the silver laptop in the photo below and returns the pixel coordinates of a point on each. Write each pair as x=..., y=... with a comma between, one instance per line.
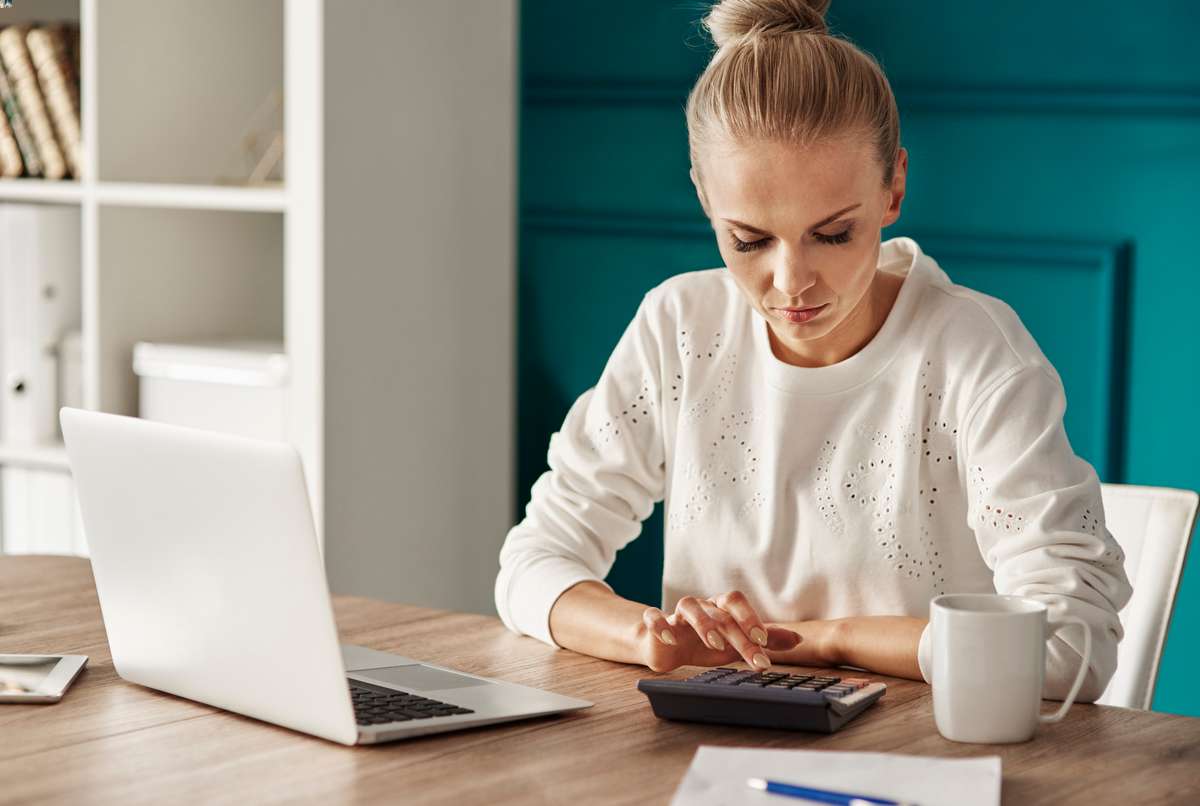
x=212, y=587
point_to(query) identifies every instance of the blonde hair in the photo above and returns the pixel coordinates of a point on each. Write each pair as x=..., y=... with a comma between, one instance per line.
x=778, y=75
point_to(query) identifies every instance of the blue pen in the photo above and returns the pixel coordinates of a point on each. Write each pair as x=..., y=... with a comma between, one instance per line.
x=821, y=795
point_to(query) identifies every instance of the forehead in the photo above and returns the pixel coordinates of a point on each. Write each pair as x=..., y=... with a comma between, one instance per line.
x=758, y=181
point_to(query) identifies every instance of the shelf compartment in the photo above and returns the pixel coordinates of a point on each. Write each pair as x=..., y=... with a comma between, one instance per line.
x=178, y=82
x=182, y=274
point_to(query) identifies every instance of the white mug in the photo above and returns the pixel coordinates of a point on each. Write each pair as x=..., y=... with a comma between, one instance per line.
x=989, y=664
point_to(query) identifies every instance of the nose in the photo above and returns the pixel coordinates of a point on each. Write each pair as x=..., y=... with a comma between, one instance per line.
x=792, y=274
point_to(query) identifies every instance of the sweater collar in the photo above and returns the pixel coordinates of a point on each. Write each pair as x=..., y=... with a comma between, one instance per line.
x=898, y=256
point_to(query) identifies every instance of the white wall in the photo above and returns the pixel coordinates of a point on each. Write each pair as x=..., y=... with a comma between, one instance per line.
x=419, y=297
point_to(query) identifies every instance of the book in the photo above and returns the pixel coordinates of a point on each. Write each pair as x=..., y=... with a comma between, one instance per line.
x=10, y=153
x=14, y=53
x=16, y=121
x=48, y=51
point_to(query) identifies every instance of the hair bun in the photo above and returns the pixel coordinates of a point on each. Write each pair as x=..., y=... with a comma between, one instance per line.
x=730, y=19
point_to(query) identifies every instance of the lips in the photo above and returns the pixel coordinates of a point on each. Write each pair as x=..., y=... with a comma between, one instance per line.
x=801, y=314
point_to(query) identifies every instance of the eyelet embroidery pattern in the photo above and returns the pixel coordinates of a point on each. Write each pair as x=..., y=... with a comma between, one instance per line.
x=994, y=516
x=1009, y=521
x=635, y=415
x=701, y=485
x=703, y=407
x=929, y=385
x=688, y=350
x=934, y=444
x=1088, y=522
x=825, y=500
x=873, y=482
x=736, y=438
x=938, y=443
x=730, y=460
x=932, y=564
x=978, y=484
x=1111, y=556
x=756, y=503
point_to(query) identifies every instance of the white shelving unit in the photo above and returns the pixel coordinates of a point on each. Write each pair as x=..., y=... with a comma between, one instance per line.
x=385, y=261
x=169, y=252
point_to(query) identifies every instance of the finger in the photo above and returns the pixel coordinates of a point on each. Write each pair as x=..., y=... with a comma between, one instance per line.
x=782, y=638
x=737, y=605
x=751, y=652
x=690, y=610
x=656, y=622
x=708, y=656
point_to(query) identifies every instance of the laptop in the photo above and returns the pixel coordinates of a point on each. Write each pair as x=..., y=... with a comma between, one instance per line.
x=212, y=587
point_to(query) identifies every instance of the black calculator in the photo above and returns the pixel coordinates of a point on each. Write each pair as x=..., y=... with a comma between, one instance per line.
x=729, y=696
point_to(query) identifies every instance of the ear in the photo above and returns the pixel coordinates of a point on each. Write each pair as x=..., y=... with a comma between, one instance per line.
x=896, y=191
x=699, y=191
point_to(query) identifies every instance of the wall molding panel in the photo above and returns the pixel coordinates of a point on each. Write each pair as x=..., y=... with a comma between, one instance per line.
x=1039, y=99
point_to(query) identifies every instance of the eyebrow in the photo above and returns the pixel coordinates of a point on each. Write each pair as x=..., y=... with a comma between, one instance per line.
x=820, y=223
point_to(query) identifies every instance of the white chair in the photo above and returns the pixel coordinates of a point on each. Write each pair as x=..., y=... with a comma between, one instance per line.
x=1153, y=525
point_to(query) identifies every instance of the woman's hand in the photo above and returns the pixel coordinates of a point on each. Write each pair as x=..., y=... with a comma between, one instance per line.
x=710, y=632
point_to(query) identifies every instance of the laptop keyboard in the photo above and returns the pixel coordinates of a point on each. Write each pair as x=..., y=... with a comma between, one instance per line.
x=375, y=705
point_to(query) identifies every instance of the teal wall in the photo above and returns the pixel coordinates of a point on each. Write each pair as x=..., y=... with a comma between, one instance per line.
x=1054, y=162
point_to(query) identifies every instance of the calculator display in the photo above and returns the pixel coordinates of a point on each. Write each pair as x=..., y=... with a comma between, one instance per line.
x=25, y=675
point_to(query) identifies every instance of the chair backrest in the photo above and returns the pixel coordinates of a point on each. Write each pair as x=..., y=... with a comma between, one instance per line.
x=1153, y=525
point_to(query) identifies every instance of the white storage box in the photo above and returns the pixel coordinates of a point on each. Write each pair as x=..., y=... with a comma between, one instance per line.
x=236, y=387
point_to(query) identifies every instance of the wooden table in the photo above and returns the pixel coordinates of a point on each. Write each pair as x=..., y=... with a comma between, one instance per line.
x=110, y=741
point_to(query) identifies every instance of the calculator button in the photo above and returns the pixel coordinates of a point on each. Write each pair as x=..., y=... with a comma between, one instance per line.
x=843, y=704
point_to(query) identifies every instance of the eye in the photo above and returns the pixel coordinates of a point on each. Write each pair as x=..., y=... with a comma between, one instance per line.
x=747, y=246
x=836, y=238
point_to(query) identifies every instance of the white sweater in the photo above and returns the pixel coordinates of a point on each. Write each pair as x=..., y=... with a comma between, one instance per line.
x=933, y=460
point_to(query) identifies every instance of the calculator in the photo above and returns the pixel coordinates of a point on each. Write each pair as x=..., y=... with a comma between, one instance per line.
x=730, y=696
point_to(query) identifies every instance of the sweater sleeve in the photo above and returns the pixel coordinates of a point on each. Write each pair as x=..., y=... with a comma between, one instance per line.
x=606, y=472
x=1038, y=518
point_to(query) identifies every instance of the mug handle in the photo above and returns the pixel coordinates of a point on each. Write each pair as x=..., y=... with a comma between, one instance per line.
x=1087, y=656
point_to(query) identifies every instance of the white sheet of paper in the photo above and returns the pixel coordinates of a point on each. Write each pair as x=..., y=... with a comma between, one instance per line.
x=717, y=777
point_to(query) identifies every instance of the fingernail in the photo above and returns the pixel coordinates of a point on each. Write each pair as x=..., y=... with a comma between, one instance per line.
x=761, y=661
x=715, y=640
x=758, y=636
x=667, y=638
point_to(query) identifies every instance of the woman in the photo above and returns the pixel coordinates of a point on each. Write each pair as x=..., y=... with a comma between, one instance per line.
x=839, y=431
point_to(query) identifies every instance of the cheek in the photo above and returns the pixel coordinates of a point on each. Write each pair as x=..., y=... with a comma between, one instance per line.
x=752, y=276
x=850, y=272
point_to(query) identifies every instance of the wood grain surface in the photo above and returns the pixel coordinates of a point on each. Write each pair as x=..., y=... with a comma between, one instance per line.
x=109, y=741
